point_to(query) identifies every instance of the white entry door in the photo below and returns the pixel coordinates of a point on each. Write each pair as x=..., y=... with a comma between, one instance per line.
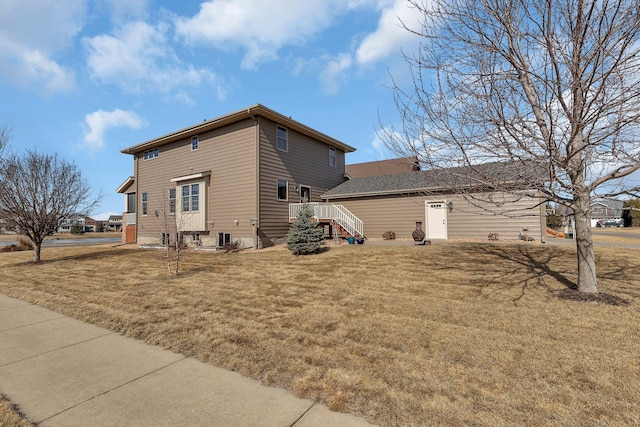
x=436, y=213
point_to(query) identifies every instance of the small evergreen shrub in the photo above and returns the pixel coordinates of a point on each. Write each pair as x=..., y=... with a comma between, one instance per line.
x=554, y=221
x=305, y=237
x=77, y=229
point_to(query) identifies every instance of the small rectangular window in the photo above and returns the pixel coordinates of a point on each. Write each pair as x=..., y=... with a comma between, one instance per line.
x=172, y=200
x=281, y=139
x=224, y=239
x=151, y=154
x=283, y=190
x=194, y=143
x=332, y=157
x=145, y=205
x=185, y=198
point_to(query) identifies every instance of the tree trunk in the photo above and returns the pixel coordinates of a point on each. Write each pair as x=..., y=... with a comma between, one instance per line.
x=586, y=258
x=36, y=252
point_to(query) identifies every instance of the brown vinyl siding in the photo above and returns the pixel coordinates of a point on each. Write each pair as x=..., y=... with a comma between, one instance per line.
x=387, y=213
x=471, y=222
x=400, y=213
x=306, y=163
x=228, y=154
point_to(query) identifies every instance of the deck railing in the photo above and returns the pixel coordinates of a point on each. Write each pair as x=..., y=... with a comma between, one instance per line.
x=328, y=211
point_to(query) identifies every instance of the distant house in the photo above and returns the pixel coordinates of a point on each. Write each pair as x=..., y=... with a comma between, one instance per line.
x=601, y=210
x=87, y=224
x=114, y=223
x=606, y=210
x=3, y=228
x=90, y=224
x=232, y=178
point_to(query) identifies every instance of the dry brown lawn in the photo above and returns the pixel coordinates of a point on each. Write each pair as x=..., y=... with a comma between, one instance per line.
x=449, y=334
x=65, y=236
x=10, y=416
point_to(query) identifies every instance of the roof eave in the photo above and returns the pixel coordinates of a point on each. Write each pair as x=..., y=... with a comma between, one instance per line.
x=380, y=193
x=245, y=113
x=125, y=185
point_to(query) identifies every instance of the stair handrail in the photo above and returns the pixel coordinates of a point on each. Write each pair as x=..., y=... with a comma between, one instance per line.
x=337, y=213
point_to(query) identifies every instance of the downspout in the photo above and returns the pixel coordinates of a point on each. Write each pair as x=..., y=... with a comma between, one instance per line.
x=136, y=170
x=256, y=240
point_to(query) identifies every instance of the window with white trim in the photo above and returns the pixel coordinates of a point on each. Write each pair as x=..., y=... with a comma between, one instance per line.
x=282, y=142
x=151, y=154
x=332, y=157
x=145, y=203
x=224, y=239
x=172, y=200
x=283, y=190
x=190, y=198
x=194, y=143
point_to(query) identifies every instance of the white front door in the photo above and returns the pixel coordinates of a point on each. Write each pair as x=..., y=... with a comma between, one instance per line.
x=436, y=213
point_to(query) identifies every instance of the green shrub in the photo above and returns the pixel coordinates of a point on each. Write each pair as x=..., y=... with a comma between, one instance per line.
x=77, y=229
x=631, y=216
x=554, y=221
x=305, y=237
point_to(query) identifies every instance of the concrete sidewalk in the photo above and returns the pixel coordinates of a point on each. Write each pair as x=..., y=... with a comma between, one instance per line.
x=63, y=372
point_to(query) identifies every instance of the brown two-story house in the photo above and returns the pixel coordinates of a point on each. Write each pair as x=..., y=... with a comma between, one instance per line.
x=228, y=179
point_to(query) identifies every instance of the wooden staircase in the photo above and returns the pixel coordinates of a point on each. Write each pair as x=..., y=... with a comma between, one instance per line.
x=339, y=217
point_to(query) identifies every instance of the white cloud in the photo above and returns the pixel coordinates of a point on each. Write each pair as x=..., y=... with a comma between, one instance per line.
x=333, y=73
x=390, y=36
x=139, y=58
x=31, y=33
x=100, y=121
x=121, y=10
x=260, y=28
x=27, y=67
x=378, y=147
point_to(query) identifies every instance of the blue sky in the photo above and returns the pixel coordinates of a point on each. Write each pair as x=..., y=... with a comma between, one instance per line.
x=87, y=78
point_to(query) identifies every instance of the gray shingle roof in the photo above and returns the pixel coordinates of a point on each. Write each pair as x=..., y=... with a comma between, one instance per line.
x=383, y=167
x=488, y=175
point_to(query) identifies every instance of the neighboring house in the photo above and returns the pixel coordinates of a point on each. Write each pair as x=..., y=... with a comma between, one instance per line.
x=3, y=228
x=606, y=210
x=228, y=179
x=114, y=223
x=90, y=224
x=87, y=224
x=383, y=167
x=398, y=202
x=601, y=210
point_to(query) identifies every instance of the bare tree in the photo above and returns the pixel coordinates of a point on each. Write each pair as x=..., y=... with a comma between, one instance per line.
x=37, y=191
x=545, y=82
x=5, y=137
x=172, y=225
